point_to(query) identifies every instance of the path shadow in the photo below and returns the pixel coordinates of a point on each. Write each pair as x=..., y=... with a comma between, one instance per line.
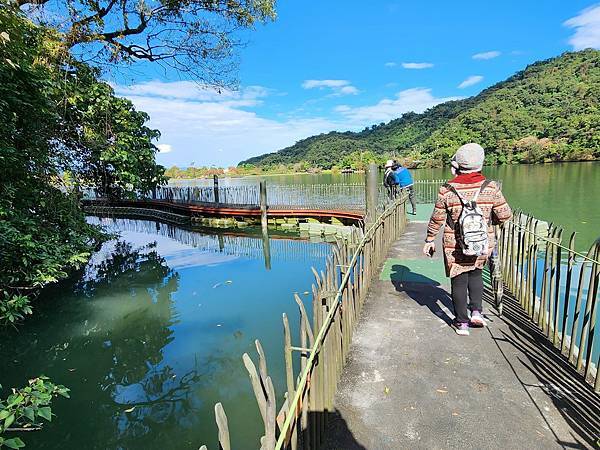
x=423, y=290
x=338, y=435
x=574, y=398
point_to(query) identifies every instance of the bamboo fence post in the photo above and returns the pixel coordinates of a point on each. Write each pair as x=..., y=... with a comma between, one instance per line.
x=590, y=302
x=567, y=296
x=577, y=312
x=555, y=335
x=221, y=419
x=289, y=370
x=592, y=298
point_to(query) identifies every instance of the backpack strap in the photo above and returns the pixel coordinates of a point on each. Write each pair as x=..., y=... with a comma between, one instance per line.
x=453, y=189
x=463, y=202
x=485, y=184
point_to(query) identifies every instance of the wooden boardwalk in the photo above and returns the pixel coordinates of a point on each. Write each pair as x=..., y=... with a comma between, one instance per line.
x=210, y=209
x=411, y=383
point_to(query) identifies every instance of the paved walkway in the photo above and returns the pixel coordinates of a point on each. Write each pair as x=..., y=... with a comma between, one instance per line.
x=412, y=383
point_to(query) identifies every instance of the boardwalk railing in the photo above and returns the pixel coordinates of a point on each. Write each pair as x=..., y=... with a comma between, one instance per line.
x=426, y=191
x=557, y=287
x=336, y=196
x=298, y=419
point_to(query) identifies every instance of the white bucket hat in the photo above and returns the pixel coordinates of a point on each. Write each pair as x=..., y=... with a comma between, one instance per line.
x=469, y=158
x=389, y=163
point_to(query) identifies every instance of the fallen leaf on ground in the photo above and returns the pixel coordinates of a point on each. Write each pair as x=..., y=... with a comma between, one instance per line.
x=386, y=390
x=441, y=391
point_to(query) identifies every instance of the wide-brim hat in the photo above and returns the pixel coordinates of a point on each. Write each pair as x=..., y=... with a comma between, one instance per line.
x=389, y=163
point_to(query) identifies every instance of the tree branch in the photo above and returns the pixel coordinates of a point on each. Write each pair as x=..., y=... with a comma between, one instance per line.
x=31, y=2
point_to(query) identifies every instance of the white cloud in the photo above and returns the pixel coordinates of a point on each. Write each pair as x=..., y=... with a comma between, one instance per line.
x=587, y=28
x=215, y=129
x=415, y=99
x=338, y=87
x=165, y=148
x=470, y=81
x=487, y=55
x=390, y=64
x=414, y=65
x=188, y=90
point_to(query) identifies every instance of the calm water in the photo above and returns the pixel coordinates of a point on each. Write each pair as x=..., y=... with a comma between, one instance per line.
x=159, y=320
x=567, y=194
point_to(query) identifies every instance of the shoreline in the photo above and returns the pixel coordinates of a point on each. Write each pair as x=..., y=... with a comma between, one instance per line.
x=337, y=172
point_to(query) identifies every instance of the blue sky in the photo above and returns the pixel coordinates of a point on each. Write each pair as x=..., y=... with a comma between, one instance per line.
x=343, y=65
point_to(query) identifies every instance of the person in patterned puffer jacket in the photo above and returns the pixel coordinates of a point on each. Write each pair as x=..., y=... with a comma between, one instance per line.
x=465, y=271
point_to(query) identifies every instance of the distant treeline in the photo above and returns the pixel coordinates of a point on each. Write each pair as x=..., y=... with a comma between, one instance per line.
x=547, y=112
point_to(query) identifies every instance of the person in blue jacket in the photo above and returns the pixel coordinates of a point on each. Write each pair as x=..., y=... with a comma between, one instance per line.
x=404, y=180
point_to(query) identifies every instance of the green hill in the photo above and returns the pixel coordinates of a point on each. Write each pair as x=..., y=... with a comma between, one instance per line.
x=547, y=112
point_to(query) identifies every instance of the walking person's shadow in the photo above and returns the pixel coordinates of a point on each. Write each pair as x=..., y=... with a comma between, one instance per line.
x=423, y=290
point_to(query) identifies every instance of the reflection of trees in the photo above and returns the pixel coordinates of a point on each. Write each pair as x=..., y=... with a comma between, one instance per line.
x=134, y=332
x=143, y=398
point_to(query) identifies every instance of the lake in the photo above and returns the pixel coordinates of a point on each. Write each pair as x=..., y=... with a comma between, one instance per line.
x=567, y=194
x=150, y=336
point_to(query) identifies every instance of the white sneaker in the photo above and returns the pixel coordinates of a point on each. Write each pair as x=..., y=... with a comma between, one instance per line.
x=477, y=319
x=461, y=328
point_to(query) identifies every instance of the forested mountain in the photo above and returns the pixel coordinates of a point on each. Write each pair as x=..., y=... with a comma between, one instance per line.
x=547, y=112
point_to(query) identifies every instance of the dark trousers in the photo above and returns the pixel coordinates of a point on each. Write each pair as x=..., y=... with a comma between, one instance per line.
x=411, y=197
x=393, y=192
x=464, y=286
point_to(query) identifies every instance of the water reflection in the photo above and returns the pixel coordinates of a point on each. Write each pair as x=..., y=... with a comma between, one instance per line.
x=150, y=336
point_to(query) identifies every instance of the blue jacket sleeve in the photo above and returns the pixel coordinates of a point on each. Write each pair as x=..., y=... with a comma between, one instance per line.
x=403, y=177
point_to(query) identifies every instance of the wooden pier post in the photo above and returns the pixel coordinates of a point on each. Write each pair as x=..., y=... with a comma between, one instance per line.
x=216, y=188
x=371, y=184
x=264, y=222
x=263, y=206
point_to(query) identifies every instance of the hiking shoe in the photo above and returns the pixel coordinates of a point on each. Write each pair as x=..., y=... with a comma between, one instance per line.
x=461, y=328
x=477, y=319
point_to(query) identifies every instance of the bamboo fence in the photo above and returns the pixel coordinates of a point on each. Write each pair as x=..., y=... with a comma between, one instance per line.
x=556, y=286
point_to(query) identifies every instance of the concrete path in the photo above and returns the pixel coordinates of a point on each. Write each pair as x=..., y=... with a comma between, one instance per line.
x=412, y=383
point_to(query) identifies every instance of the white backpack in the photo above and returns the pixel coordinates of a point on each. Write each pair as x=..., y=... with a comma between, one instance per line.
x=472, y=225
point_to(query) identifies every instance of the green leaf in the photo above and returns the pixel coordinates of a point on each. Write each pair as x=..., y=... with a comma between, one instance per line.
x=46, y=413
x=4, y=414
x=9, y=420
x=15, y=401
x=14, y=443
x=29, y=413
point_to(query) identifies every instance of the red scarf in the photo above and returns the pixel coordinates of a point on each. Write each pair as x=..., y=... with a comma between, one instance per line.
x=468, y=178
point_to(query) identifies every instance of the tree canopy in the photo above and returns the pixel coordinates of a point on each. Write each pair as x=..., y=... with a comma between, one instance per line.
x=61, y=127
x=196, y=37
